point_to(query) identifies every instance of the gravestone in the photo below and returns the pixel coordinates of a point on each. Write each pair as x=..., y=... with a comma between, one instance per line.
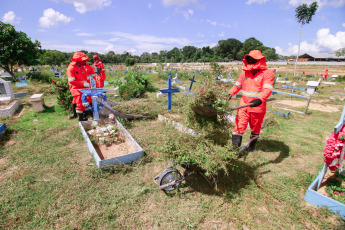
x=312, y=85
x=6, y=90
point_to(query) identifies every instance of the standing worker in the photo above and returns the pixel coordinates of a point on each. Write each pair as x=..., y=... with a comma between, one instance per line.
x=256, y=82
x=77, y=79
x=99, y=67
x=326, y=74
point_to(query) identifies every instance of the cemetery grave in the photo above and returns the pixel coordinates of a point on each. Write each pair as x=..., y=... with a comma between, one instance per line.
x=266, y=189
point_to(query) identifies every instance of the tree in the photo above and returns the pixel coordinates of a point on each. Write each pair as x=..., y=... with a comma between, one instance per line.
x=229, y=48
x=304, y=15
x=251, y=44
x=270, y=54
x=188, y=52
x=16, y=48
x=340, y=52
x=53, y=57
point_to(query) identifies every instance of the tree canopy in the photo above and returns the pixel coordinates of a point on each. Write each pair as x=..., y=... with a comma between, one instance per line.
x=16, y=48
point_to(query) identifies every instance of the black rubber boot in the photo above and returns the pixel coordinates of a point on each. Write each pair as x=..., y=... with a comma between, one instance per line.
x=236, y=140
x=253, y=143
x=74, y=115
x=82, y=117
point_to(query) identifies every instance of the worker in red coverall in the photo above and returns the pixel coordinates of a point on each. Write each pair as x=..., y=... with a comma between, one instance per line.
x=78, y=79
x=100, y=78
x=326, y=74
x=256, y=83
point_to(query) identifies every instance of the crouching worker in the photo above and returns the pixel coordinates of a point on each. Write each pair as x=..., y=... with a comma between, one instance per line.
x=256, y=83
x=78, y=79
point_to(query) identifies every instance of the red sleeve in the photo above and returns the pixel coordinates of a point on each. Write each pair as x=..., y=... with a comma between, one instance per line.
x=267, y=87
x=238, y=85
x=71, y=78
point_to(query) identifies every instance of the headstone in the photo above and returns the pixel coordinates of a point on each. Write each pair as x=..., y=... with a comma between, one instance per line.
x=6, y=90
x=312, y=85
x=37, y=101
x=334, y=76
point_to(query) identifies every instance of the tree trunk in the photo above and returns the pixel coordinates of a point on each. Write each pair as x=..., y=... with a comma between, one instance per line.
x=299, y=46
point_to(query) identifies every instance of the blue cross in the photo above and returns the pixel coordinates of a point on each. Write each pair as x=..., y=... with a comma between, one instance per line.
x=94, y=93
x=191, y=83
x=169, y=91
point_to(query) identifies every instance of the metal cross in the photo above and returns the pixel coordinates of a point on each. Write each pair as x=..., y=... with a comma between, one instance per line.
x=94, y=93
x=191, y=83
x=169, y=91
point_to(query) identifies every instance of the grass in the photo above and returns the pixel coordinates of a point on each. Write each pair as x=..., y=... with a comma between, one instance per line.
x=48, y=179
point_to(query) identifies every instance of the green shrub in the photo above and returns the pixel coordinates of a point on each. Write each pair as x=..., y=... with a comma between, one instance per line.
x=135, y=86
x=44, y=76
x=64, y=99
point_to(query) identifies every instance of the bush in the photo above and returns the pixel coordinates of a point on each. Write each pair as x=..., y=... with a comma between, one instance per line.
x=130, y=62
x=64, y=99
x=44, y=76
x=135, y=86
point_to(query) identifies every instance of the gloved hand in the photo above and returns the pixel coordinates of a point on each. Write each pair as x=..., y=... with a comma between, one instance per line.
x=86, y=85
x=256, y=102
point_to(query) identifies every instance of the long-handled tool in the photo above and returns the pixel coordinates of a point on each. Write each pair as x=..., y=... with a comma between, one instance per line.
x=240, y=107
x=246, y=105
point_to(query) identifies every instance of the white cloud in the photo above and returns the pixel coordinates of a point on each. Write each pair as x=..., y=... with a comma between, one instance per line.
x=143, y=38
x=343, y=24
x=325, y=42
x=212, y=23
x=10, y=17
x=83, y=6
x=52, y=18
x=149, y=6
x=187, y=14
x=329, y=41
x=85, y=35
x=97, y=42
x=221, y=34
x=249, y=2
x=179, y=2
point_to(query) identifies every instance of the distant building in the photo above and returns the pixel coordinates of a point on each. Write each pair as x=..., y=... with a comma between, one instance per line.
x=320, y=57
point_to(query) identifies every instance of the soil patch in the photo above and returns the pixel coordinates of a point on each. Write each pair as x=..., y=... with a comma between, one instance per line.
x=312, y=106
x=114, y=150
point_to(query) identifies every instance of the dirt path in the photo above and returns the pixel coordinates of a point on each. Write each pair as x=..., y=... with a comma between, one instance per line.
x=312, y=106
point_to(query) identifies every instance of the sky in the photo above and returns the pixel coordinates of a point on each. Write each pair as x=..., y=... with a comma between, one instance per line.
x=138, y=26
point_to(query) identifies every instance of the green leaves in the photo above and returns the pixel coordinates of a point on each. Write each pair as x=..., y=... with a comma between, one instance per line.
x=304, y=13
x=16, y=48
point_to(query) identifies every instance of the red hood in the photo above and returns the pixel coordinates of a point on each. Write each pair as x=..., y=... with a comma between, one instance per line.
x=96, y=58
x=79, y=56
x=256, y=54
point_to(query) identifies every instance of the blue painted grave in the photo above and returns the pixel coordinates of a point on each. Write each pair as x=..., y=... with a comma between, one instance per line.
x=318, y=199
x=169, y=91
x=292, y=87
x=2, y=129
x=94, y=93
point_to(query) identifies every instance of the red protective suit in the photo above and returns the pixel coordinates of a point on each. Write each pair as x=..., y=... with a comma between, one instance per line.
x=77, y=76
x=99, y=78
x=326, y=74
x=255, y=81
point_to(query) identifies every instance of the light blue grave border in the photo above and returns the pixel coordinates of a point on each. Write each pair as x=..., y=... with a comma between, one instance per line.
x=2, y=128
x=125, y=159
x=318, y=199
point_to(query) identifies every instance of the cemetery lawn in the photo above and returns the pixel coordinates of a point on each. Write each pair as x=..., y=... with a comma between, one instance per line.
x=49, y=180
